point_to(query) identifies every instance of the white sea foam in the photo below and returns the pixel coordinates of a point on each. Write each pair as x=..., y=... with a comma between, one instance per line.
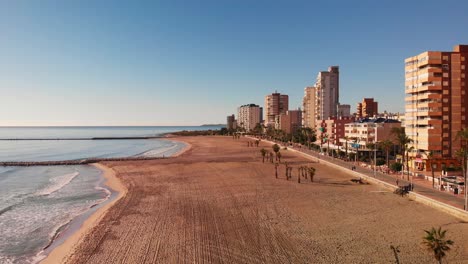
x=157, y=152
x=57, y=183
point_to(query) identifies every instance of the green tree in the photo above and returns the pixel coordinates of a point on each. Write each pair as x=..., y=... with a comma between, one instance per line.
x=386, y=145
x=346, y=145
x=463, y=154
x=264, y=152
x=436, y=243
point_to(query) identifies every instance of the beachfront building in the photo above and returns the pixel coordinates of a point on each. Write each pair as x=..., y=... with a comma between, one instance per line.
x=436, y=105
x=275, y=104
x=231, y=123
x=333, y=129
x=289, y=122
x=249, y=116
x=308, y=107
x=326, y=89
x=344, y=110
x=367, y=131
x=367, y=108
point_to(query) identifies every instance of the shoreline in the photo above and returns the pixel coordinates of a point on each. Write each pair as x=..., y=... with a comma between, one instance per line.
x=62, y=252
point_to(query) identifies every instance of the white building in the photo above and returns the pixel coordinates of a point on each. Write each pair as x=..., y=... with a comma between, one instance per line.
x=327, y=89
x=248, y=116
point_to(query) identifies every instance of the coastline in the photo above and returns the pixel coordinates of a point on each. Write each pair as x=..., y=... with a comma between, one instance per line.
x=61, y=253
x=187, y=147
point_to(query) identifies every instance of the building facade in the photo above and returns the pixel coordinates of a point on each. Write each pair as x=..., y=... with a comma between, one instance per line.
x=344, y=110
x=289, y=122
x=308, y=107
x=248, y=116
x=327, y=89
x=231, y=123
x=367, y=108
x=368, y=131
x=436, y=102
x=333, y=129
x=275, y=104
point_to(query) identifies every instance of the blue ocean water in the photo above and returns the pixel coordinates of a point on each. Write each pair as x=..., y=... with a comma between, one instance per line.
x=38, y=203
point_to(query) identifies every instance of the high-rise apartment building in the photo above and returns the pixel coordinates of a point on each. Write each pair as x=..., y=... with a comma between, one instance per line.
x=436, y=102
x=248, y=116
x=327, y=89
x=275, y=104
x=308, y=107
x=367, y=108
x=231, y=123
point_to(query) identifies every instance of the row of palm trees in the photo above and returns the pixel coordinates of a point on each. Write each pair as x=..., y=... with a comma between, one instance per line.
x=303, y=171
x=434, y=240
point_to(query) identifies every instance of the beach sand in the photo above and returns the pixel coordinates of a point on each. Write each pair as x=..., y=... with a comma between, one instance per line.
x=63, y=251
x=218, y=203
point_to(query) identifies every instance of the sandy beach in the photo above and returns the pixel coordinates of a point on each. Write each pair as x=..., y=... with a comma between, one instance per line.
x=61, y=252
x=218, y=203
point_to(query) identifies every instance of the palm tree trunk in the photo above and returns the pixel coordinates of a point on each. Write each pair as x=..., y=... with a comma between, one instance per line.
x=388, y=164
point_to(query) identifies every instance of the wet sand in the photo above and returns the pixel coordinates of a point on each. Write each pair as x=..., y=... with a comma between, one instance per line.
x=61, y=252
x=218, y=203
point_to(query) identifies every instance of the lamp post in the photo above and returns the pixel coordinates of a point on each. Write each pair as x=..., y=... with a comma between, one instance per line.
x=375, y=159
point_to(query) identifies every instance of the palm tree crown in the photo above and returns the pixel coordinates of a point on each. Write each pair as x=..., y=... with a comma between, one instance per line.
x=434, y=241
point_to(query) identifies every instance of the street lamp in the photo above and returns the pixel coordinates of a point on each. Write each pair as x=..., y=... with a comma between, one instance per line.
x=375, y=159
x=434, y=166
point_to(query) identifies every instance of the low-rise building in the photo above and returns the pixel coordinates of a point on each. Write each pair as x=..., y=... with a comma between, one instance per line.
x=289, y=122
x=332, y=129
x=368, y=131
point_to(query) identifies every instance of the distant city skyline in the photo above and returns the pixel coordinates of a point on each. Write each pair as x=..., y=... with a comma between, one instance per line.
x=182, y=63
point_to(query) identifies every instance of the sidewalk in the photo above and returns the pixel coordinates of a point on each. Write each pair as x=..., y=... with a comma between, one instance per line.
x=421, y=186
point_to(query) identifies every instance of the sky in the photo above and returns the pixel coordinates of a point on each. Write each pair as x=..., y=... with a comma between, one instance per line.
x=194, y=62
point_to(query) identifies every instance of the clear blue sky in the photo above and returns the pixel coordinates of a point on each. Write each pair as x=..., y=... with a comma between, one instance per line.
x=194, y=62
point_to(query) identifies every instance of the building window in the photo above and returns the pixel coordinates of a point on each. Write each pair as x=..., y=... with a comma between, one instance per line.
x=445, y=66
x=445, y=75
x=445, y=83
x=445, y=57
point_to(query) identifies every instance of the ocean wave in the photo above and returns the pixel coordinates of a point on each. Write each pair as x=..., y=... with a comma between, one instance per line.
x=157, y=152
x=6, y=209
x=58, y=183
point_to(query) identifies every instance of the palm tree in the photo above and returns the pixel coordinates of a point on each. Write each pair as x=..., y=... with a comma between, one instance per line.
x=386, y=145
x=299, y=174
x=276, y=149
x=311, y=171
x=408, y=150
x=434, y=241
x=463, y=137
x=264, y=152
x=276, y=170
x=346, y=145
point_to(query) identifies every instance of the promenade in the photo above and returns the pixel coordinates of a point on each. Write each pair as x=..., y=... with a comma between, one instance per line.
x=421, y=186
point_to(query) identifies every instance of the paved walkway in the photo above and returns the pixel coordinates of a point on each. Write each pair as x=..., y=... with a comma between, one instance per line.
x=421, y=186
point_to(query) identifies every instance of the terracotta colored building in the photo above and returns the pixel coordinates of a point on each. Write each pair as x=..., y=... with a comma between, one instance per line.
x=332, y=128
x=289, y=122
x=436, y=102
x=275, y=104
x=367, y=108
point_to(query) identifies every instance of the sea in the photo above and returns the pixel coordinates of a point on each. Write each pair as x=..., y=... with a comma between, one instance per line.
x=41, y=205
